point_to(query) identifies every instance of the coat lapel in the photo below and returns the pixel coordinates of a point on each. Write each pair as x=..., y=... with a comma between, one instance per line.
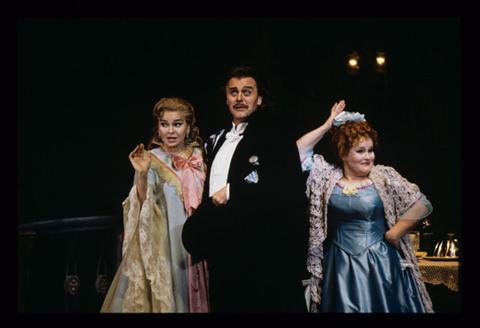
x=217, y=146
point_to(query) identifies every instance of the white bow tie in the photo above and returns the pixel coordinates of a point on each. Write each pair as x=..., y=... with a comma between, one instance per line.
x=233, y=136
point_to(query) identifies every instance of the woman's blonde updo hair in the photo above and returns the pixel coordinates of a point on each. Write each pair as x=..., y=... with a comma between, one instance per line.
x=347, y=135
x=187, y=111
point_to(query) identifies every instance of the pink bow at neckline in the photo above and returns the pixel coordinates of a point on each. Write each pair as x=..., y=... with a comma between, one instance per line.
x=190, y=167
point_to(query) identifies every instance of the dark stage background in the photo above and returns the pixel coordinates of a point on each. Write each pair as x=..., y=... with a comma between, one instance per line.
x=86, y=88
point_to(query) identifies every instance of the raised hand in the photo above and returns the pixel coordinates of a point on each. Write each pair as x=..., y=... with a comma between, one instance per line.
x=313, y=137
x=337, y=108
x=140, y=159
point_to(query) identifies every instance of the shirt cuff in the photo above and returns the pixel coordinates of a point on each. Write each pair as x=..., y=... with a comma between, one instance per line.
x=305, y=152
x=228, y=191
x=306, y=158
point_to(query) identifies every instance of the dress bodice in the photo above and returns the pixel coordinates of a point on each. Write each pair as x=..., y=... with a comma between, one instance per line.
x=356, y=221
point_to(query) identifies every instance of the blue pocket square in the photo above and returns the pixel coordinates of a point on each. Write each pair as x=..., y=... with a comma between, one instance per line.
x=252, y=177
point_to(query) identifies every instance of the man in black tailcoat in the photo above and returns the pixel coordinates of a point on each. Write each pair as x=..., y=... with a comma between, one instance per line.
x=252, y=226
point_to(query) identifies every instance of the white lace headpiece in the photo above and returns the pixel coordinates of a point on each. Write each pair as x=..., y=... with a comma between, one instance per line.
x=343, y=117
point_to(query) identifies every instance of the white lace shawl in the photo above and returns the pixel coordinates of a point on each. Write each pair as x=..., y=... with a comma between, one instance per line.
x=399, y=197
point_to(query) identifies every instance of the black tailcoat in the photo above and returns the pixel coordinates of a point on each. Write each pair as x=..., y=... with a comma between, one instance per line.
x=256, y=244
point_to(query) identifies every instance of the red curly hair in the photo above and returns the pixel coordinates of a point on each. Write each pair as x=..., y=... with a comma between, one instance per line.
x=347, y=135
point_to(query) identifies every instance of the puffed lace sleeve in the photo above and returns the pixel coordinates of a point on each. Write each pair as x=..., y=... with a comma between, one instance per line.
x=416, y=206
x=420, y=210
x=406, y=199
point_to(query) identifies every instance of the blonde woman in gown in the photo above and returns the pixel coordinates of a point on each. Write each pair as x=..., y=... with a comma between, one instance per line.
x=156, y=273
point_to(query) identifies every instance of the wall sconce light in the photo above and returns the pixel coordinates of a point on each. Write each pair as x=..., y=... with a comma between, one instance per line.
x=352, y=67
x=380, y=66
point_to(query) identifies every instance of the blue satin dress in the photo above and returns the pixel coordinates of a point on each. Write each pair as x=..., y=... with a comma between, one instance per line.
x=363, y=272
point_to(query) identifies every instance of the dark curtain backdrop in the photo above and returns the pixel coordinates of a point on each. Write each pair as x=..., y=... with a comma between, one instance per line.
x=87, y=86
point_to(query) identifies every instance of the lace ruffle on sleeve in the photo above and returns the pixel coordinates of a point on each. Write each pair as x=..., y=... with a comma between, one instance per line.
x=420, y=210
x=145, y=256
x=401, y=196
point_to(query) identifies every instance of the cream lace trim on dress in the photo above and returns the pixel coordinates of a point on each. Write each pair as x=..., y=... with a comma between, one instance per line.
x=144, y=264
x=145, y=257
x=167, y=175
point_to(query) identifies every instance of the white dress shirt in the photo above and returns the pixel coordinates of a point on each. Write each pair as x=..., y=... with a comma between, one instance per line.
x=221, y=163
